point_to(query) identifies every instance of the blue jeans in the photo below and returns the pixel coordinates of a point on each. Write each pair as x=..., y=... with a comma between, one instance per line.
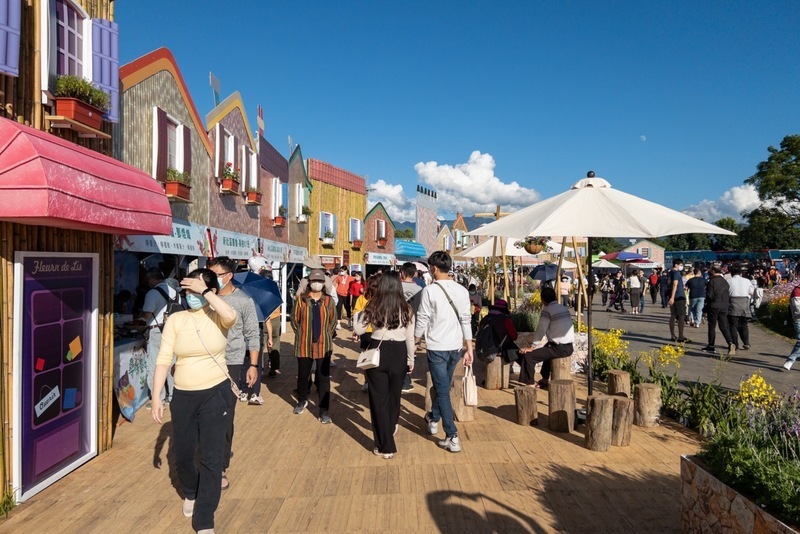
x=442, y=364
x=696, y=309
x=796, y=350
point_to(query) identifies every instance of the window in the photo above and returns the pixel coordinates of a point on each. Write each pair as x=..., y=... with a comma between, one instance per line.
x=249, y=167
x=356, y=230
x=10, y=30
x=380, y=229
x=447, y=243
x=327, y=223
x=172, y=145
x=69, y=39
x=224, y=151
x=645, y=252
x=277, y=197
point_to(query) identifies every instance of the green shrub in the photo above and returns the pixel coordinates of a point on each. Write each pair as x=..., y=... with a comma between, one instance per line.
x=173, y=175
x=76, y=87
x=525, y=321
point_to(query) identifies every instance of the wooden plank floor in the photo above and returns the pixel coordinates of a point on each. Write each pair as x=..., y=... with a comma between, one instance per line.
x=292, y=474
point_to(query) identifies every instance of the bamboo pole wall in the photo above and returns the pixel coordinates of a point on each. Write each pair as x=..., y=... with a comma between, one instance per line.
x=18, y=237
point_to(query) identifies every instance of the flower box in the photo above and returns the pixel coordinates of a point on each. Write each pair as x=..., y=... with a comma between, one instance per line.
x=279, y=222
x=177, y=191
x=302, y=218
x=357, y=243
x=229, y=186
x=79, y=111
x=328, y=241
x=707, y=504
x=382, y=242
x=253, y=197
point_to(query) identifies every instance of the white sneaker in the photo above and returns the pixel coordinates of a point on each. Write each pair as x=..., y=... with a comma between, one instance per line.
x=451, y=444
x=788, y=365
x=243, y=397
x=433, y=426
x=255, y=400
x=188, y=507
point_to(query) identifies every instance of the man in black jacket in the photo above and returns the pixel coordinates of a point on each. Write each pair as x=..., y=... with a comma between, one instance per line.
x=716, y=308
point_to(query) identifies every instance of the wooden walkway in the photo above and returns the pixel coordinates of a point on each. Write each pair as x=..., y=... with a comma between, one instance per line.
x=292, y=474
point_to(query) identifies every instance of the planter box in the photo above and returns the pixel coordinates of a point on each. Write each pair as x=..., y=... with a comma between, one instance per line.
x=302, y=218
x=253, y=197
x=708, y=505
x=177, y=191
x=328, y=241
x=382, y=242
x=79, y=111
x=357, y=244
x=230, y=186
x=279, y=222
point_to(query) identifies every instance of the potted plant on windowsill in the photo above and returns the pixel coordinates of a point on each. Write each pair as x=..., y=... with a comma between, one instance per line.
x=328, y=238
x=357, y=243
x=176, y=185
x=77, y=99
x=305, y=213
x=230, y=179
x=533, y=244
x=253, y=195
x=382, y=241
x=280, y=219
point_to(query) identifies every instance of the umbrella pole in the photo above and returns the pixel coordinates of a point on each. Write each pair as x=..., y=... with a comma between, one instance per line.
x=492, y=271
x=516, y=281
x=589, y=321
x=505, y=269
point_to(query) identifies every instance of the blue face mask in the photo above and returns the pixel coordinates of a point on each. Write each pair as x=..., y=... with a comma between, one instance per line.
x=196, y=302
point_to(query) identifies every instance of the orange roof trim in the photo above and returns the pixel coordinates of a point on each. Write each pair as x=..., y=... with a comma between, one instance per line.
x=231, y=102
x=150, y=64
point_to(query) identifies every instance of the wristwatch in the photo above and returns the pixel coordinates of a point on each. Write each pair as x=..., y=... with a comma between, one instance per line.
x=253, y=365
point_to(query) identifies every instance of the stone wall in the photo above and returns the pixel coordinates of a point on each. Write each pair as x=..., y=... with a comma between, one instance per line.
x=708, y=505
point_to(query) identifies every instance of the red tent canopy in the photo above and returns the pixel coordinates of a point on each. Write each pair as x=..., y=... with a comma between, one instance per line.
x=45, y=180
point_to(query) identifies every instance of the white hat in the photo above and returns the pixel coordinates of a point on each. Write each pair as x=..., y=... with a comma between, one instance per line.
x=258, y=264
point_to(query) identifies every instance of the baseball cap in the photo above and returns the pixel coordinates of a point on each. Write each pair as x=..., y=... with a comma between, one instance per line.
x=316, y=275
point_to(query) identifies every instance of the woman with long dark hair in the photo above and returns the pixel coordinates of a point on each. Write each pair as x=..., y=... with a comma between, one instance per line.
x=392, y=323
x=197, y=337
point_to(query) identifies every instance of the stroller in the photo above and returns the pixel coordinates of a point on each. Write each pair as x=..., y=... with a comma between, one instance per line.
x=616, y=301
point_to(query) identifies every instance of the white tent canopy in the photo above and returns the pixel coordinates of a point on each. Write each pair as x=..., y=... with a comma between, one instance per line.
x=605, y=264
x=593, y=208
x=484, y=250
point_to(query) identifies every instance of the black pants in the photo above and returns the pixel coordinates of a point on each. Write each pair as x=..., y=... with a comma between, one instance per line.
x=604, y=294
x=716, y=316
x=234, y=371
x=322, y=378
x=343, y=301
x=739, y=329
x=274, y=353
x=677, y=312
x=548, y=352
x=200, y=419
x=664, y=298
x=385, y=383
x=654, y=293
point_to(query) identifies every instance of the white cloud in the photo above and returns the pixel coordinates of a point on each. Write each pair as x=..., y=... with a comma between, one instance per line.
x=473, y=187
x=732, y=203
x=399, y=207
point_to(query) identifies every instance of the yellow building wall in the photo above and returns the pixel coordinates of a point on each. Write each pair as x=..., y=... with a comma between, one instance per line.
x=345, y=205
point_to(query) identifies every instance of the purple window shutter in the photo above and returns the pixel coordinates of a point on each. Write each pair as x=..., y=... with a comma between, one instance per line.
x=10, y=29
x=105, y=62
x=187, y=149
x=163, y=148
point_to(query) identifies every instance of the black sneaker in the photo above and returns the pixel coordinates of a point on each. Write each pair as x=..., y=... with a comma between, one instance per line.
x=301, y=407
x=272, y=374
x=407, y=388
x=325, y=419
x=709, y=348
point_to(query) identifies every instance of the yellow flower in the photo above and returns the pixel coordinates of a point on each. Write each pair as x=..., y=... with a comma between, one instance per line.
x=756, y=391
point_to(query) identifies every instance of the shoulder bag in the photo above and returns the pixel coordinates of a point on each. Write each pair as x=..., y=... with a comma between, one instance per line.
x=370, y=358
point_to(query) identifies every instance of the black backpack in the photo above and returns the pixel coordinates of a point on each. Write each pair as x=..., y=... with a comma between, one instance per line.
x=486, y=345
x=173, y=305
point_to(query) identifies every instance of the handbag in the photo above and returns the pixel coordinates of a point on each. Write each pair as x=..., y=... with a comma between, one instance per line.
x=370, y=358
x=470, y=387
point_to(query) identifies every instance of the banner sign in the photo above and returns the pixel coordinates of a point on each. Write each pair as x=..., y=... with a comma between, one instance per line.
x=274, y=251
x=186, y=239
x=297, y=254
x=233, y=244
x=55, y=352
x=378, y=258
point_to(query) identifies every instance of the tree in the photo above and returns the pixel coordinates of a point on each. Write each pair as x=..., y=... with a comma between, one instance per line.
x=405, y=233
x=688, y=242
x=727, y=242
x=769, y=228
x=777, y=180
x=606, y=244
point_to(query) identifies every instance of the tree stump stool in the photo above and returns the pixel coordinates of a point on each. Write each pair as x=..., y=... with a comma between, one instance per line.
x=561, y=400
x=622, y=424
x=647, y=405
x=561, y=368
x=527, y=409
x=599, y=416
x=619, y=382
x=498, y=373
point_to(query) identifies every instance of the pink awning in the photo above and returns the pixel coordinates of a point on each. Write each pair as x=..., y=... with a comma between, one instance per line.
x=47, y=181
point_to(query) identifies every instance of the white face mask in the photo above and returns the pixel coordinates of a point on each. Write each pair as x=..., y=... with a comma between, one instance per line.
x=317, y=286
x=680, y=267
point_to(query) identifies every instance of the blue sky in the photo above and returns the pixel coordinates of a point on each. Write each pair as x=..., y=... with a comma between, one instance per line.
x=505, y=102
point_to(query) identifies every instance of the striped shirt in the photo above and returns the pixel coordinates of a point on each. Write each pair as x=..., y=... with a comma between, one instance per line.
x=555, y=324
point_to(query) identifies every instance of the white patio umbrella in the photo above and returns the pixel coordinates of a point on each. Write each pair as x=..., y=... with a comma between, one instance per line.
x=594, y=209
x=605, y=264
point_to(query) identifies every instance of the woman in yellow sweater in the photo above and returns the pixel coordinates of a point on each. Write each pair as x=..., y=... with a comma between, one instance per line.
x=197, y=338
